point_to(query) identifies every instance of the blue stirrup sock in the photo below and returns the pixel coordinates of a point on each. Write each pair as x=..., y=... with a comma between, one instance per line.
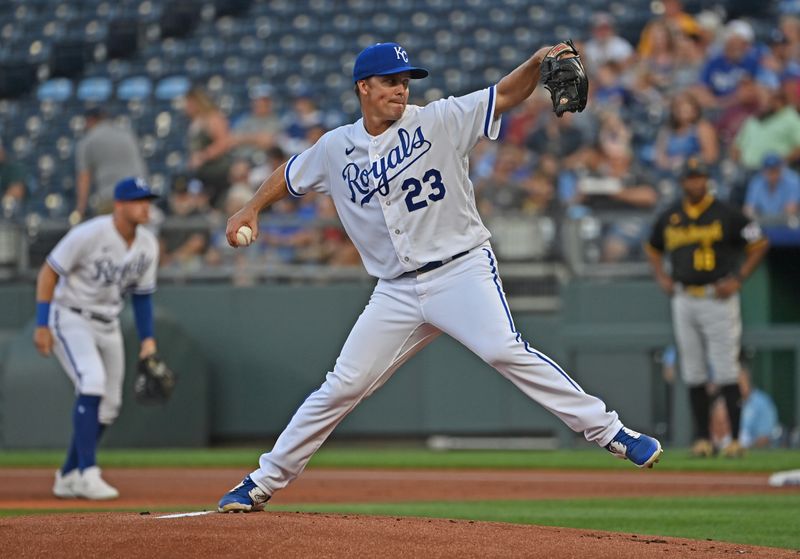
x=72, y=457
x=86, y=427
x=72, y=454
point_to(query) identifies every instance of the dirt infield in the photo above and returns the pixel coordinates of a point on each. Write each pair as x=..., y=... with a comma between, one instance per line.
x=324, y=535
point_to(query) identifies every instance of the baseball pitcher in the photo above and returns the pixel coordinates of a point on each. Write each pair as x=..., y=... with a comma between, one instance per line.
x=399, y=180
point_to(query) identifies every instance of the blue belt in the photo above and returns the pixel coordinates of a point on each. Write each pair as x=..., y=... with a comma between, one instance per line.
x=433, y=265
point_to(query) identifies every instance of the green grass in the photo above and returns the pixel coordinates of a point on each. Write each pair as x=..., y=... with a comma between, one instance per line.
x=583, y=459
x=769, y=520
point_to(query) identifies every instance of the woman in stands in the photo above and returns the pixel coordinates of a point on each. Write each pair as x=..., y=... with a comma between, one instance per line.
x=209, y=144
x=686, y=134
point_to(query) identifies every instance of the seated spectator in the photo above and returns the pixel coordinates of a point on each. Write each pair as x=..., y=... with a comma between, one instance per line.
x=723, y=72
x=745, y=103
x=674, y=20
x=686, y=134
x=540, y=195
x=609, y=91
x=614, y=136
x=502, y=192
x=775, y=129
x=184, y=236
x=614, y=181
x=335, y=247
x=283, y=235
x=659, y=61
x=605, y=45
x=789, y=27
x=12, y=185
x=774, y=192
x=275, y=157
x=711, y=29
x=258, y=130
x=209, y=144
x=783, y=64
x=522, y=119
x=481, y=159
x=689, y=60
x=303, y=116
x=243, y=260
x=559, y=137
x=239, y=175
x=759, y=426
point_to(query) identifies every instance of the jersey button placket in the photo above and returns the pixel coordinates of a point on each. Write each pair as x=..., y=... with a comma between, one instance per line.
x=393, y=215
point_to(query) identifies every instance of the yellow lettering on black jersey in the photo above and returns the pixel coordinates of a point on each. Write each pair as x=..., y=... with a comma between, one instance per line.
x=676, y=236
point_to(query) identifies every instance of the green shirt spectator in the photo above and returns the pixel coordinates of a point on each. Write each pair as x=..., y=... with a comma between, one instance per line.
x=775, y=131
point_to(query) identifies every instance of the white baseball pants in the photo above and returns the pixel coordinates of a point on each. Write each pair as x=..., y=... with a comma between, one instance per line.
x=92, y=355
x=464, y=299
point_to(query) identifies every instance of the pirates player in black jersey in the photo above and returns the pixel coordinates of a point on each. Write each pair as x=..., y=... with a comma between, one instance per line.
x=712, y=248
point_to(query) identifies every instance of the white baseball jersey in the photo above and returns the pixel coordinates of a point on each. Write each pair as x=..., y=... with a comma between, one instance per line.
x=404, y=197
x=97, y=267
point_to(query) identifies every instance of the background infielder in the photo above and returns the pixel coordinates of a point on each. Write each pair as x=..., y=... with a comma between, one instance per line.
x=399, y=180
x=78, y=299
x=712, y=249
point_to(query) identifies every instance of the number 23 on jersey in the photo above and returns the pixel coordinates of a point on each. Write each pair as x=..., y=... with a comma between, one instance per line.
x=419, y=192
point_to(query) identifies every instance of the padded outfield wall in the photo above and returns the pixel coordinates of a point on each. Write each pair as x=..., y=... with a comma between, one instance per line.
x=247, y=357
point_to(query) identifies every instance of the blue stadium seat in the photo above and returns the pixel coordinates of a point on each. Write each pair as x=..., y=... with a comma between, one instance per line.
x=95, y=90
x=57, y=89
x=172, y=87
x=134, y=88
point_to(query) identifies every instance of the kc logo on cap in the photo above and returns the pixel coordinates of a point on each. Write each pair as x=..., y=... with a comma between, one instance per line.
x=401, y=53
x=383, y=59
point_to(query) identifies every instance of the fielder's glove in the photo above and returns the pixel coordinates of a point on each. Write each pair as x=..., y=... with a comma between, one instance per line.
x=154, y=381
x=563, y=75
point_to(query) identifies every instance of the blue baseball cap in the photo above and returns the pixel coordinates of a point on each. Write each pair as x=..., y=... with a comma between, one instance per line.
x=772, y=160
x=133, y=188
x=383, y=59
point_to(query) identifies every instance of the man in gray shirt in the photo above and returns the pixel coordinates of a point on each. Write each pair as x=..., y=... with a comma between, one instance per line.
x=259, y=129
x=104, y=156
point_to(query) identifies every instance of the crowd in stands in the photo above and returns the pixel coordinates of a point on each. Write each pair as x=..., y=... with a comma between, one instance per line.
x=694, y=85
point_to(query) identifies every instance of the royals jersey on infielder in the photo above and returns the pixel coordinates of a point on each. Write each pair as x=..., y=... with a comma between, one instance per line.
x=79, y=295
x=96, y=268
x=405, y=199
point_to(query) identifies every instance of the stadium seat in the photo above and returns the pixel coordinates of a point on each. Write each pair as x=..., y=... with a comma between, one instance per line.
x=134, y=88
x=57, y=89
x=94, y=90
x=172, y=87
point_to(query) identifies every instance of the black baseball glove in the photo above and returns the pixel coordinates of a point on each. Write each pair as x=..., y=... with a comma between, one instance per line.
x=563, y=75
x=154, y=381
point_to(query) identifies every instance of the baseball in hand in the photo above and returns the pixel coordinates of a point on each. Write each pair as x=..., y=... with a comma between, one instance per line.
x=244, y=236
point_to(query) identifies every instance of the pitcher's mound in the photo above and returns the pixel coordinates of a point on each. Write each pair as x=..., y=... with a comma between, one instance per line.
x=290, y=535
